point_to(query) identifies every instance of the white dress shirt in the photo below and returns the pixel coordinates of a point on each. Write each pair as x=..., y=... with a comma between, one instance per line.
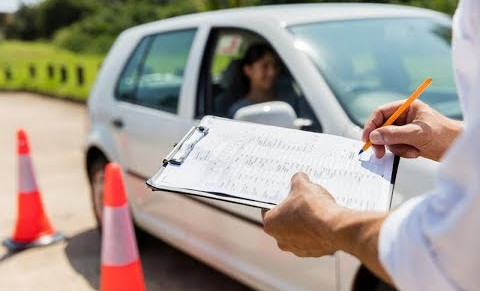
x=432, y=242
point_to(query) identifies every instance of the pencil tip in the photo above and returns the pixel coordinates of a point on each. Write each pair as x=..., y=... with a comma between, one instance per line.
x=360, y=152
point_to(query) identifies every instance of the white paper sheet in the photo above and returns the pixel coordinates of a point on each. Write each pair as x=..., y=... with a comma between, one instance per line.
x=256, y=162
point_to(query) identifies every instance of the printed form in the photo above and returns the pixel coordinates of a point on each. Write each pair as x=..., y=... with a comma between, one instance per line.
x=256, y=162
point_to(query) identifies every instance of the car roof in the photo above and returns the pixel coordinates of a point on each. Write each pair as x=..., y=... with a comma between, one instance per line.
x=292, y=14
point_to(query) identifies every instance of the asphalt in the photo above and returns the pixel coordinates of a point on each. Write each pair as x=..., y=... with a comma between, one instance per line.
x=57, y=130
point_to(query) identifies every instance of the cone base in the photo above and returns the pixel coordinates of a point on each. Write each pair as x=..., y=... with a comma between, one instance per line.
x=45, y=240
x=127, y=277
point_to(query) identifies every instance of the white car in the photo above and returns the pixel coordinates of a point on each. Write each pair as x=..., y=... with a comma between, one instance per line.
x=338, y=62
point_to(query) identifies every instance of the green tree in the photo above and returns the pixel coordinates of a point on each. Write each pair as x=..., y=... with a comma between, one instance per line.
x=207, y=5
x=447, y=6
x=96, y=33
x=92, y=25
x=24, y=25
x=55, y=14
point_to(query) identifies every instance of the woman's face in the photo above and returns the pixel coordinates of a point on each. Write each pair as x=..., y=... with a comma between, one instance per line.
x=262, y=73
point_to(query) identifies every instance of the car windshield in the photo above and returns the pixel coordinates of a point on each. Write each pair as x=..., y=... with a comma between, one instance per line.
x=374, y=61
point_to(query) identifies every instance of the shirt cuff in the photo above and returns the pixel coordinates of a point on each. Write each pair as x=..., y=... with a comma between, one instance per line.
x=405, y=252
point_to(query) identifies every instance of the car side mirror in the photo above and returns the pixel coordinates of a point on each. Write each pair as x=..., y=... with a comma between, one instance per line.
x=276, y=113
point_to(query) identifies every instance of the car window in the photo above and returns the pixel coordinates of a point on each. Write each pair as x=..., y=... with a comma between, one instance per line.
x=228, y=48
x=371, y=62
x=127, y=84
x=154, y=74
x=221, y=87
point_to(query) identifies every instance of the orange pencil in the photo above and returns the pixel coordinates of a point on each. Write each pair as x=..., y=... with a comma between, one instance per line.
x=402, y=108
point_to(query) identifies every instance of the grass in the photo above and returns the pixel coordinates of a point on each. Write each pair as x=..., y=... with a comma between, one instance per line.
x=18, y=57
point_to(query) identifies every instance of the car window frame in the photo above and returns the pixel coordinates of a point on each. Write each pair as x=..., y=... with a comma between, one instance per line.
x=149, y=38
x=204, y=75
x=206, y=63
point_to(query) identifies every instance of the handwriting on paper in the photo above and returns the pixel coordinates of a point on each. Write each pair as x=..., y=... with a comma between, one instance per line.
x=256, y=163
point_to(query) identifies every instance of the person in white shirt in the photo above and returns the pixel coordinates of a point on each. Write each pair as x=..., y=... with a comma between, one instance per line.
x=431, y=242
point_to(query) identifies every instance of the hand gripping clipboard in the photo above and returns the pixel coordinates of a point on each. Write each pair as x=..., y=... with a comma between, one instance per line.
x=178, y=155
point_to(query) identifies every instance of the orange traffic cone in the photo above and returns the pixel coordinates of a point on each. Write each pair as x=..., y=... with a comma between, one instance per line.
x=33, y=227
x=121, y=266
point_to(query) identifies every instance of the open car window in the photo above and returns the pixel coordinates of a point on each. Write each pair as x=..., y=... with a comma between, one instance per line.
x=220, y=85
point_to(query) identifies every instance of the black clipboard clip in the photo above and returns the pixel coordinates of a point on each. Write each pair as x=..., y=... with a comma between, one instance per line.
x=182, y=149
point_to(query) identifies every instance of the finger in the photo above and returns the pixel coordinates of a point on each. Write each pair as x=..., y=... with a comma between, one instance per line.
x=378, y=118
x=269, y=217
x=268, y=228
x=264, y=211
x=299, y=179
x=301, y=176
x=375, y=121
x=379, y=150
x=301, y=254
x=405, y=151
x=282, y=246
x=410, y=134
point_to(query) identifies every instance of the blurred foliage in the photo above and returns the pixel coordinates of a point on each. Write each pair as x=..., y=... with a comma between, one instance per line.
x=55, y=14
x=82, y=31
x=446, y=6
x=24, y=25
x=96, y=33
x=41, y=21
x=92, y=25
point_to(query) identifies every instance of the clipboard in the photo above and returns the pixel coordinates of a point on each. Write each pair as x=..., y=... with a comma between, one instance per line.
x=210, y=195
x=177, y=156
x=184, y=148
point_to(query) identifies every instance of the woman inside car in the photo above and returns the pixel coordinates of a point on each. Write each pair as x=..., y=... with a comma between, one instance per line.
x=259, y=70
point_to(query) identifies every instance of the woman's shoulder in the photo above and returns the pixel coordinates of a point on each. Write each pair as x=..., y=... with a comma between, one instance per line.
x=237, y=105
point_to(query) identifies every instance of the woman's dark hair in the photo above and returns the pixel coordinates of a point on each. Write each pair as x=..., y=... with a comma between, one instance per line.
x=256, y=52
x=240, y=83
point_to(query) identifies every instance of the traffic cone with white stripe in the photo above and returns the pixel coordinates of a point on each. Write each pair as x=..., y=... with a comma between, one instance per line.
x=121, y=266
x=33, y=227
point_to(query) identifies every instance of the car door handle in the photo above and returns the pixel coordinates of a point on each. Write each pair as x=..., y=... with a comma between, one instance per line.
x=117, y=122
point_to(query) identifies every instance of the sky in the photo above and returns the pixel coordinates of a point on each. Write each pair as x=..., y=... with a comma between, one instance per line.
x=13, y=5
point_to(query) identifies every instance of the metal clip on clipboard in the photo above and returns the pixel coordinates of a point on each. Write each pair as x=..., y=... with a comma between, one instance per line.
x=182, y=149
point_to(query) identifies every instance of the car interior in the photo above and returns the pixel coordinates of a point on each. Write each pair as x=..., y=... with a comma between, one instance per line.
x=221, y=85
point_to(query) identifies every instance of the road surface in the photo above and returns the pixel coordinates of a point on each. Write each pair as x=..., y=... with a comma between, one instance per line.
x=57, y=132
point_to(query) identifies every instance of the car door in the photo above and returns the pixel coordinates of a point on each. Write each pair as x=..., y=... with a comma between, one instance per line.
x=225, y=47
x=148, y=92
x=217, y=85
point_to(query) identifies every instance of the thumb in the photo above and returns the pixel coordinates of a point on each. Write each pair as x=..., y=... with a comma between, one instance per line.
x=298, y=181
x=404, y=151
x=410, y=134
x=299, y=177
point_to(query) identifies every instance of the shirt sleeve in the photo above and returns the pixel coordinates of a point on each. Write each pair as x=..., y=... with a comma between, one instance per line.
x=433, y=242
x=405, y=251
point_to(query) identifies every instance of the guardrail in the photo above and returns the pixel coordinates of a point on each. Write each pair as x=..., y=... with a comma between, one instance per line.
x=58, y=79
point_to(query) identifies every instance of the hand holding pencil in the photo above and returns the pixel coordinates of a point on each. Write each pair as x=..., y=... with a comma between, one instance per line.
x=419, y=131
x=402, y=108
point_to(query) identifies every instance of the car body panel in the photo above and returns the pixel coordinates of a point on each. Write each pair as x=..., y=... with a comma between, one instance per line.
x=228, y=236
